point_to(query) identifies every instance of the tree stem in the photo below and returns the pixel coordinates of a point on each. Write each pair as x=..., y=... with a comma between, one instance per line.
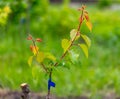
x=65, y=53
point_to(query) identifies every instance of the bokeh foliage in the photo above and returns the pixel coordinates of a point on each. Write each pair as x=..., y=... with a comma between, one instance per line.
x=51, y=22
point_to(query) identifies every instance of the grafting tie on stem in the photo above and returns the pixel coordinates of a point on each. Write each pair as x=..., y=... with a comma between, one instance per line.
x=50, y=84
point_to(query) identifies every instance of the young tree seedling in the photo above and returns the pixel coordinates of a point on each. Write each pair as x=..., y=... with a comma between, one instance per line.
x=67, y=44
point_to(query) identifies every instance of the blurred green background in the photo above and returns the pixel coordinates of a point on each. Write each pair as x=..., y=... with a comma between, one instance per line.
x=52, y=21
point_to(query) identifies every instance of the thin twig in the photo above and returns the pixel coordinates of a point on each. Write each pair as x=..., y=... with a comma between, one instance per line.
x=44, y=67
x=64, y=54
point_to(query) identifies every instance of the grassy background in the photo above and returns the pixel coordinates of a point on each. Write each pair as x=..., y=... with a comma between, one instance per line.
x=99, y=73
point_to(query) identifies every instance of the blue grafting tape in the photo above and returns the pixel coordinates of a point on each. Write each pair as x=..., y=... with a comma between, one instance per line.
x=49, y=80
x=50, y=84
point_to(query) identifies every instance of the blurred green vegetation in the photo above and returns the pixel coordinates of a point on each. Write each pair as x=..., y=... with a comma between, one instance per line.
x=107, y=3
x=100, y=72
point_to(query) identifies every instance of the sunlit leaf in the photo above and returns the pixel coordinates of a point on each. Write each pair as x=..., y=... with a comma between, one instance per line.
x=30, y=60
x=65, y=44
x=34, y=49
x=89, y=25
x=40, y=57
x=74, y=34
x=87, y=40
x=50, y=56
x=85, y=49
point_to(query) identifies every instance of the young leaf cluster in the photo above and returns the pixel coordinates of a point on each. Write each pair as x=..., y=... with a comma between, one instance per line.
x=67, y=44
x=76, y=34
x=39, y=56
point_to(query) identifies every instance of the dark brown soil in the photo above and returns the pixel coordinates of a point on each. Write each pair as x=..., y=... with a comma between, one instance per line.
x=17, y=95
x=5, y=94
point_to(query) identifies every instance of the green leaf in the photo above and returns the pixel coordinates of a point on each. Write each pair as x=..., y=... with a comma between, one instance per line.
x=63, y=64
x=73, y=34
x=87, y=40
x=73, y=56
x=50, y=56
x=30, y=60
x=40, y=57
x=84, y=48
x=65, y=44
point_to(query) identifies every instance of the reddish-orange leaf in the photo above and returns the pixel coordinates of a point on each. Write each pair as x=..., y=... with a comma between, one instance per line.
x=39, y=40
x=83, y=7
x=31, y=47
x=86, y=17
x=29, y=37
x=34, y=49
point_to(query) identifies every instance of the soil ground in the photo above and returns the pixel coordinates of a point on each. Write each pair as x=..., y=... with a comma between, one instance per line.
x=17, y=95
x=7, y=94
